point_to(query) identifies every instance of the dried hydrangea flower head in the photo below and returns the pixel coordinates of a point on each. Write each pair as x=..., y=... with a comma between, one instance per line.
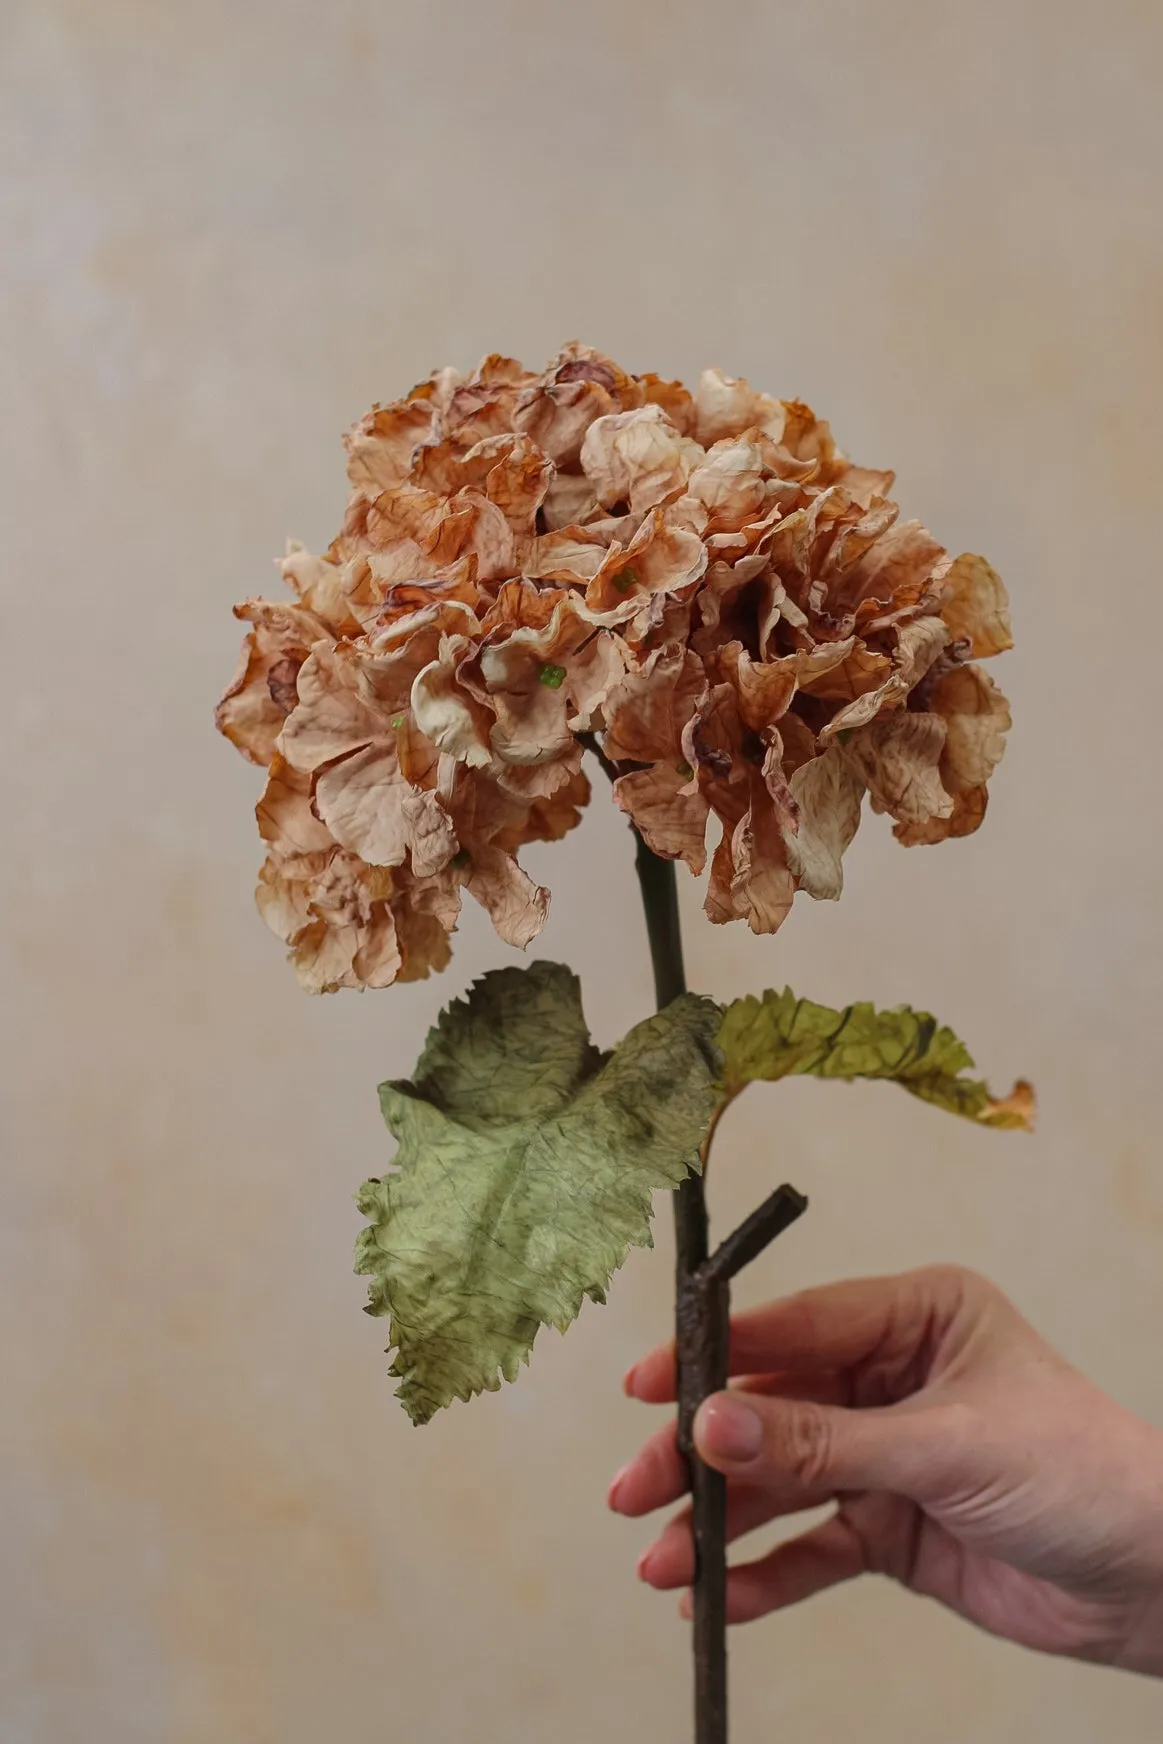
x=700, y=583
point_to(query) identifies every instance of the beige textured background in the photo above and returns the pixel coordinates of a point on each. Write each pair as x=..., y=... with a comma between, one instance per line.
x=227, y=226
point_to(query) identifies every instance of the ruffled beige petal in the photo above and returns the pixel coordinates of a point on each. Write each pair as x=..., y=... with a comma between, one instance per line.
x=727, y=406
x=517, y=907
x=370, y=809
x=446, y=713
x=898, y=759
x=828, y=793
x=638, y=458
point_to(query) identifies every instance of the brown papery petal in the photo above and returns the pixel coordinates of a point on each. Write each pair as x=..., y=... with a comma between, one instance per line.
x=898, y=758
x=976, y=606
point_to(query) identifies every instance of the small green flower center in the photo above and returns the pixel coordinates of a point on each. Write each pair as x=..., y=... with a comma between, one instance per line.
x=625, y=580
x=845, y=734
x=399, y=722
x=685, y=771
x=461, y=859
x=552, y=677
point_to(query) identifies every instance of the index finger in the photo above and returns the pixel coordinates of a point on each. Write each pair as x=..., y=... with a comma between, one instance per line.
x=835, y=1327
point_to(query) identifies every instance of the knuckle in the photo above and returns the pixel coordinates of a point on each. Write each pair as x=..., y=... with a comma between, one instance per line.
x=802, y=1444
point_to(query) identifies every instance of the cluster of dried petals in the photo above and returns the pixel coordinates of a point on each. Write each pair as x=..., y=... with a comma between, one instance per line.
x=701, y=584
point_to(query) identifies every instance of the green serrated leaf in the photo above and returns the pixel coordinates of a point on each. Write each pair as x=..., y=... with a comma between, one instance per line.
x=779, y=1036
x=524, y=1174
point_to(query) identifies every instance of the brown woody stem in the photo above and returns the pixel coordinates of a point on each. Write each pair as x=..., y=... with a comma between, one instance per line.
x=702, y=1313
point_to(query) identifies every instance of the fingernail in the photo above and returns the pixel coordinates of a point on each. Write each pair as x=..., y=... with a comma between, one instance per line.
x=728, y=1428
x=685, y=1607
x=628, y=1380
x=645, y=1562
x=615, y=1486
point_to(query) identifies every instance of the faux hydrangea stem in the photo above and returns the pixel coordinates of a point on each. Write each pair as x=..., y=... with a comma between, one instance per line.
x=701, y=1335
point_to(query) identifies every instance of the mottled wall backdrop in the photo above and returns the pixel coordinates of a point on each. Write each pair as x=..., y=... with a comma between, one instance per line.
x=227, y=226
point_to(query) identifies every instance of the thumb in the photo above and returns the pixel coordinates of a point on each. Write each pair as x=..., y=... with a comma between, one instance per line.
x=799, y=1446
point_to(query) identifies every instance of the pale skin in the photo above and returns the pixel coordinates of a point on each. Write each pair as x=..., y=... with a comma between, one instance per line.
x=962, y=1457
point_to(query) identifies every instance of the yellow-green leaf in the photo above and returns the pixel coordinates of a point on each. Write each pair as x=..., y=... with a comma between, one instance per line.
x=779, y=1036
x=524, y=1174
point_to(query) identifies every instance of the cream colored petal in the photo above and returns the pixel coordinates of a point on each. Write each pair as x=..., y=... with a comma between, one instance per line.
x=898, y=757
x=637, y=458
x=591, y=675
x=671, y=819
x=829, y=794
x=322, y=586
x=731, y=486
x=443, y=712
x=531, y=727
x=572, y=555
x=727, y=406
x=976, y=606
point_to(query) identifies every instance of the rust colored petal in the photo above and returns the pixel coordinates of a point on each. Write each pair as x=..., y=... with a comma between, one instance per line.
x=967, y=815
x=668, y=815
x=976, y=606
x=381, y=447
x=647, y=711
x=675, y=400
x=750, y=879
x=977, y=717
x=763, y=689
x=569, y=500
x=919, y=644
x=253, y=710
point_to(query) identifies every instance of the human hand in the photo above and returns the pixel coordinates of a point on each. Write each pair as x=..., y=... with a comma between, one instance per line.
x=967, y=1460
